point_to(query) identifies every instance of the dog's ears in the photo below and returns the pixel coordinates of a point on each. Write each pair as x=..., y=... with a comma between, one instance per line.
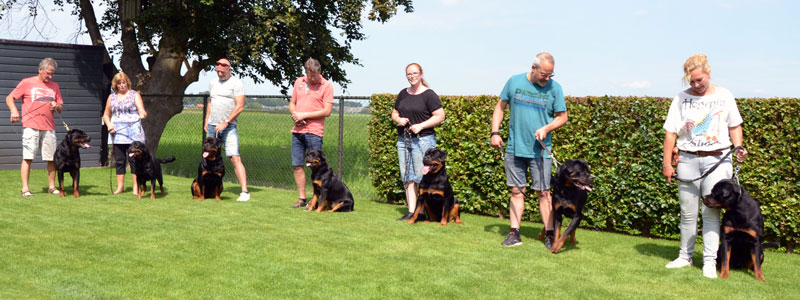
x=322, y=155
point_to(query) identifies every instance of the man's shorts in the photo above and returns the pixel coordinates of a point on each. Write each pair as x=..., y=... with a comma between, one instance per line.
x=33, y=138
x=229, y=136
x=517, y=172
x=302, y=143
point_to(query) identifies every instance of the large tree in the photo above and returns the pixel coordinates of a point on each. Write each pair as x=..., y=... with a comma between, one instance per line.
x=265, y=39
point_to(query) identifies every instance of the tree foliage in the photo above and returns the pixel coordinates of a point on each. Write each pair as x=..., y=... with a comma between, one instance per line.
x=266, y=40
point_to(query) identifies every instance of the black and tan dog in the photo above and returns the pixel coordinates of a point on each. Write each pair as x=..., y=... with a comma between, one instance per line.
x=147, y=168
x=68, y=159
x=329, y=191
x=741, y=231
x=569, y=190
x=435, y=193
x=208, y=183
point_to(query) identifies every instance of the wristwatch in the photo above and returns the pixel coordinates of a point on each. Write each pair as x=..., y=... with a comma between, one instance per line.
x=495, y=133
x=227, y=121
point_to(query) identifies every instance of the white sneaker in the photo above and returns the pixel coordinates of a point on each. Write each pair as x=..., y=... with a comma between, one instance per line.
x=243, y=196
x=679, y=263
x=710, y=270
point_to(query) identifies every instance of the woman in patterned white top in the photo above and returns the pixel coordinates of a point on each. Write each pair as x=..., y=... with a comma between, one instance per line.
x=703, y=122
x=124, y=110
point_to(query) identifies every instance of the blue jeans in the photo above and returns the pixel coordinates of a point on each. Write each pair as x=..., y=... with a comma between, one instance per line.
x=418, y=147
x=229, y=136
x=302, y=143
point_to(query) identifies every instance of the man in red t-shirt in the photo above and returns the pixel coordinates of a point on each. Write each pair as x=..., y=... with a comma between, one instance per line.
x=312, y=101
x=40, y=97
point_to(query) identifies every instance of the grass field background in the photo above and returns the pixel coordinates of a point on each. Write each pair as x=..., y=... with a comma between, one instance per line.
x=104, y=246
x=265, y=146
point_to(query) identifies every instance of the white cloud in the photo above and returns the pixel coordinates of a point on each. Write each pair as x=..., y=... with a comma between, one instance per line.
x=637, y=84
x=641, y=12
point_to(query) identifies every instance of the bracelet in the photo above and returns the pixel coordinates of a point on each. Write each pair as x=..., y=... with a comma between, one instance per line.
x=664, y=166
x=495, y=133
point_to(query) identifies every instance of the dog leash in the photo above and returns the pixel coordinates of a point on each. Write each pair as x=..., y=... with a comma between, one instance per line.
x=35, y=109
x=555, y=161
x=714, y=167
x=409, y=164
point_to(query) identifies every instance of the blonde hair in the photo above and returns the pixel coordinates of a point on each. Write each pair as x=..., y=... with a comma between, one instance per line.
x=425, y=83
x=694, y=62
x=120, y=77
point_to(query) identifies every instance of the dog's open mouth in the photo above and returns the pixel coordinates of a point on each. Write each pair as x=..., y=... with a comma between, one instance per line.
x=583, y=187
x=426, y=169
x=85, y=145
x=205, y=154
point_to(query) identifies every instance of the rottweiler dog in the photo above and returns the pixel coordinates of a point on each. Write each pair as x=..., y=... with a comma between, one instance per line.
x=741, y=231
x=329, y=191
x=68, y=159
x=208, y=183
x=435, y=192
x=147, y=168
x=569, y=189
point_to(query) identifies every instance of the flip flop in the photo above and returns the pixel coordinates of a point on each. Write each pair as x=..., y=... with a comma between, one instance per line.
x=53, y=191
x=26, y=194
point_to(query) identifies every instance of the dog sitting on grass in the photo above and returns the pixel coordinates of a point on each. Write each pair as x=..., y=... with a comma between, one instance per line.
x=435, y=193
x=329, y=191
x=208, y=183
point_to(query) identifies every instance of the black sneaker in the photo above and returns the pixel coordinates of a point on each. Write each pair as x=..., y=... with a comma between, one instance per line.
x=405, y=217
x=300, y=203
x=548, y=242
x=512, y=239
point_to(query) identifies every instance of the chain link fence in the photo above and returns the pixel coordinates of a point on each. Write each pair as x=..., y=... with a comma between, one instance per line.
x=265, y=140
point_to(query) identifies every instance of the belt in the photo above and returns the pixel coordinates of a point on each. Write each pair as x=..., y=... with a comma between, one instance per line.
x=705, y=153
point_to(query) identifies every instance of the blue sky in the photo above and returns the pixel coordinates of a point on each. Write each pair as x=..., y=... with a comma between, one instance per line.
x=620, y=48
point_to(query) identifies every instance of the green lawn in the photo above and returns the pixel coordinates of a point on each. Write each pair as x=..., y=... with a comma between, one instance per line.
x=105, y=246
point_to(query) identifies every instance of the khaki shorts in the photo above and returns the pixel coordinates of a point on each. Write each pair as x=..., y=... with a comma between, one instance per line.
x=33, y=138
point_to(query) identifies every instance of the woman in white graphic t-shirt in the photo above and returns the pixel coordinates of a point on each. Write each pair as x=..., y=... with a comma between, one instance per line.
x=703, y=123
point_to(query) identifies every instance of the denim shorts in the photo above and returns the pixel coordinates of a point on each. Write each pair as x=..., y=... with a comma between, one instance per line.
x=302, y=143
x=517, y=172
x=418, y=147
x=229, y=136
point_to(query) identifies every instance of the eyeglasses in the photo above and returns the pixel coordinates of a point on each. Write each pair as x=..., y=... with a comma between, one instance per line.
x=543, y=75
x=224, y=65
x=413, y=74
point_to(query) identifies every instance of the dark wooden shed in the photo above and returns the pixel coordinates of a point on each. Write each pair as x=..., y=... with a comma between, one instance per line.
x=83, y=87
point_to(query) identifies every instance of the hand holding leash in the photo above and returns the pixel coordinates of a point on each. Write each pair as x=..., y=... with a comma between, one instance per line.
x=741, y=153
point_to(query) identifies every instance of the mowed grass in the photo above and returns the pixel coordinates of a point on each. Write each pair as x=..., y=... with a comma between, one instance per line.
x=104, y=246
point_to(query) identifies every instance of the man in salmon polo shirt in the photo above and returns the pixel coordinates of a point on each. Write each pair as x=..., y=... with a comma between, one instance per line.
x=312, y=101
x=40, y=96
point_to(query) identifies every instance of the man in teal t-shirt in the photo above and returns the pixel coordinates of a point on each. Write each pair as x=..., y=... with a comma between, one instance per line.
x=537, y=108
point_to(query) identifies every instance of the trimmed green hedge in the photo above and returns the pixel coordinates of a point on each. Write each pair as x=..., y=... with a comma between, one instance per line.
x=621, y=138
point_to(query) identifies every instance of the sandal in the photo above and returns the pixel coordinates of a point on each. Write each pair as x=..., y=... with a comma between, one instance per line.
x=26, y=194
x=53, y=191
